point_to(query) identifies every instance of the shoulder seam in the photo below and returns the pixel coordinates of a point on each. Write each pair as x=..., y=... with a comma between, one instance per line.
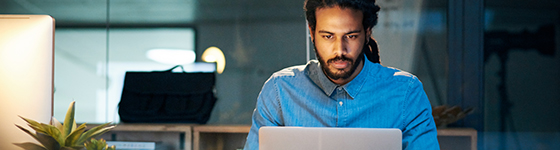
x=277, y=98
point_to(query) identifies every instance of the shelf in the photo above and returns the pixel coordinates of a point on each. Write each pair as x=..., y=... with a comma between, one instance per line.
x=219, y=137
x=457, y=138
x=166, y=136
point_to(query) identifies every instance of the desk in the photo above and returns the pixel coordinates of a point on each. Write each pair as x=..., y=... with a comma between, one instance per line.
x=231, y=137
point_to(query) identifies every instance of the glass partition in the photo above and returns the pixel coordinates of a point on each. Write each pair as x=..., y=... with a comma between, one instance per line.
x=130, y=49
x=82, y=73
x=80, y=59
x=97, y=42
x=80, y=51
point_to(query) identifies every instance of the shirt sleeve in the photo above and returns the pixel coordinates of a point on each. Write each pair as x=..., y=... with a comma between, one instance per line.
x=266, y=113
x=419, y=132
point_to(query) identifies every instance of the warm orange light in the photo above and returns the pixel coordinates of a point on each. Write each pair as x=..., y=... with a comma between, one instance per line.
x=214, y=54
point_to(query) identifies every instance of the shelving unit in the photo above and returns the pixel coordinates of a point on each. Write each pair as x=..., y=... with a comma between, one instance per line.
x=219, y=137
x=166, y=136
x=457, y=139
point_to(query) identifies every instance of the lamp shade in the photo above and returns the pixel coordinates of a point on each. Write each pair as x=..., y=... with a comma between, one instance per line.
x=214, y=54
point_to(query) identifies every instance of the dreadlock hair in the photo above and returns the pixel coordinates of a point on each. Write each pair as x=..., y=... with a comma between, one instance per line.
x=368, y=8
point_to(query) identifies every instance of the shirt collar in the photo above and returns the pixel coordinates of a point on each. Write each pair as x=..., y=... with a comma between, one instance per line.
x=353, y=87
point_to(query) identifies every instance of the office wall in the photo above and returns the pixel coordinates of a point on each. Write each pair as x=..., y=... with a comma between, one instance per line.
x=254, y=50
x=531, y=75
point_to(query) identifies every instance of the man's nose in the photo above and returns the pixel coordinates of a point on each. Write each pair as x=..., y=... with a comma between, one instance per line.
x=340, y=46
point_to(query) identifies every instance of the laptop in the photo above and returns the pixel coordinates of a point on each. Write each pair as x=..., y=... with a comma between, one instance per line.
x=325, y=138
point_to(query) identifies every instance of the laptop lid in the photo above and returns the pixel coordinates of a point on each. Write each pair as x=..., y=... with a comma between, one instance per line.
x=324, y=138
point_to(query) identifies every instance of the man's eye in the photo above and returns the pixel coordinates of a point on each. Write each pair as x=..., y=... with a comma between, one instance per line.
x=352, y=36
x=327, y=36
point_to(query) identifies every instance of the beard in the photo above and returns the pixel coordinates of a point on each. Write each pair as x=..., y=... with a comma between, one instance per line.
x=336, y=74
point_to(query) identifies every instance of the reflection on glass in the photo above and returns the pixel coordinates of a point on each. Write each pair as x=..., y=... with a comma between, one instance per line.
x=82, y=73
x=412, y=36
x=79, y=76
x=171, y=56
x=521, y=75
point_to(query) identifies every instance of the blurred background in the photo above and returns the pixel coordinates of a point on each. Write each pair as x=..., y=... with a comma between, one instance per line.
x=499, y=57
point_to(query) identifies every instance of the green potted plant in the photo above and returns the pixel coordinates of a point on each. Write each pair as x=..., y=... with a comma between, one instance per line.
x=65, y=136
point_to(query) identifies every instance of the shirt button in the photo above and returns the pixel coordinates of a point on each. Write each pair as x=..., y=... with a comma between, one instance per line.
x=339, y=88
x=340, y=103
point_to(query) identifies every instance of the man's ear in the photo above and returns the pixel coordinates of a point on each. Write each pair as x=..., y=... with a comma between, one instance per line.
x=311, y=34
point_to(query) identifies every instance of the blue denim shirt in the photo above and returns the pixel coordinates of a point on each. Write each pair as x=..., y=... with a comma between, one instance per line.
x=378, y=97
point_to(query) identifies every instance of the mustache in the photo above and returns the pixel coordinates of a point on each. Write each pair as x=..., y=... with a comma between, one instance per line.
x=340, y=57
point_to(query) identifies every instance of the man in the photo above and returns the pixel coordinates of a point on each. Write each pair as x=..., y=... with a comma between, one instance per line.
x=343, y=88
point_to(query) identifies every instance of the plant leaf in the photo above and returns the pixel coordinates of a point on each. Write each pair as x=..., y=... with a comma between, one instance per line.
x=69, y=148
x=111, y=147
x=94, y=144
x=95, y=131
x=45, y=140
x=68, y=120
x=73, y=126
x=102, y=131
x=57, y=124
x=55, y=133
x=34, y=124
x=67, y=125
x=27, y=131
x=71, y=140
x=48, y=141
x=30, y=146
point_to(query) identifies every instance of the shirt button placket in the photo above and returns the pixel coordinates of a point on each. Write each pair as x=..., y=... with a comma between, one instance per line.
x=340, y=98
x=340, y=95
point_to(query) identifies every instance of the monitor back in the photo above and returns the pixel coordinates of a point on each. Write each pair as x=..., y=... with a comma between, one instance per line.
x=26, y=74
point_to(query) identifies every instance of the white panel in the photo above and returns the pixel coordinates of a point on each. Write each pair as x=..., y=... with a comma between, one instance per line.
x=26, y=74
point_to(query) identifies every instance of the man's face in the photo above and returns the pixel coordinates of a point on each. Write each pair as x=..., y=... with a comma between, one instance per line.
x=338, y=38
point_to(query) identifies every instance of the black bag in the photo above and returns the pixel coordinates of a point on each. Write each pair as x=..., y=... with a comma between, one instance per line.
x=166, y=97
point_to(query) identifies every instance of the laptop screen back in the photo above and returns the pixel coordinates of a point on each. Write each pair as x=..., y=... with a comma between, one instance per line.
x=323, y=138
